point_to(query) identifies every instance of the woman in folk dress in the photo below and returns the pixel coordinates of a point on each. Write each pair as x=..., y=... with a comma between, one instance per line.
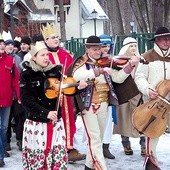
x=44, y=134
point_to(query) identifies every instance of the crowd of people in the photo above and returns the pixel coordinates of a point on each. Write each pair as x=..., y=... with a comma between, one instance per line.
x=41, y=107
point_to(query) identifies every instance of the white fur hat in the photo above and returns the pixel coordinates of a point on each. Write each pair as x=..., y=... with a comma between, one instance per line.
x=126, y=43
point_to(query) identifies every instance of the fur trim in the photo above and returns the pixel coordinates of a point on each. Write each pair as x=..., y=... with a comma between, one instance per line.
x=36, y=67
x=79, y=62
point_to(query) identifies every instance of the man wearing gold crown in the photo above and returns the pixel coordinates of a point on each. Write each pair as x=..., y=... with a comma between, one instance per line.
x=58, y=55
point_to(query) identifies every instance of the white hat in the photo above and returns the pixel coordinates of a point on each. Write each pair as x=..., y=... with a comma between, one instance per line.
x=17, y=39
x=6, y=36
x=126, y=43
x=37, y=47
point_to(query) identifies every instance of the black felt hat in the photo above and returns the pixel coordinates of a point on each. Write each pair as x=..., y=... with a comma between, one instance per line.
x=7, y=42
x=37, y=37
x=161, y=32
x=26, y=40
x=17, y=44
x=93, y=41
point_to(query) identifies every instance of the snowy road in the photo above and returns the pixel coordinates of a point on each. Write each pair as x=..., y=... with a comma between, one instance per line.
x=122, y=161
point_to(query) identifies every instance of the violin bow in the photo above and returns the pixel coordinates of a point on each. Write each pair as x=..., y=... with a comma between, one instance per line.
x=60, y=86
x=114, y=46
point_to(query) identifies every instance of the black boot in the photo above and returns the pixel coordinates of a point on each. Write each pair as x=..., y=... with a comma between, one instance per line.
x=106, y=152
x=87, y=168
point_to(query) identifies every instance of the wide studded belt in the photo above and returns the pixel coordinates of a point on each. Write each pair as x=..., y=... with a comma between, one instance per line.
x=100, y=93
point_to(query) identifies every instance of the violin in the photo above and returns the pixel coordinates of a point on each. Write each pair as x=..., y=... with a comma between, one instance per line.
x=116, y=60
x=151, y=118
x=68, y=87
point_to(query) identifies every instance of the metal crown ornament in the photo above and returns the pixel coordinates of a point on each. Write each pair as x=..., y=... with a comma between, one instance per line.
x=48, y=30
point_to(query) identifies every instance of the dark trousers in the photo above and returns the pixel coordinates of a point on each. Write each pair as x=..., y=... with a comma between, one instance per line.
x=126, y=141
x=18, y=113
x=9, y=131
x=19, y=121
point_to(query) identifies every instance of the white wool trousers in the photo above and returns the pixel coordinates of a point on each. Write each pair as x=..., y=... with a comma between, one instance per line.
x=152, y=147
x=94, y=127
x=108, y=127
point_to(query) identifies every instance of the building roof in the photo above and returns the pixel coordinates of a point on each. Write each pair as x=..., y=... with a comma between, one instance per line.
x=7, y=6
x=43, y=15
x=87, y=8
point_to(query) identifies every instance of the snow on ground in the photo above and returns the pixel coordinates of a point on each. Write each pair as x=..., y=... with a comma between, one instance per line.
x=122, y=161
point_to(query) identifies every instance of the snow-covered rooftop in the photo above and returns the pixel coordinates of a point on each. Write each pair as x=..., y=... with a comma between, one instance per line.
x=88, y=6
x=7, y=5
x=40, y=17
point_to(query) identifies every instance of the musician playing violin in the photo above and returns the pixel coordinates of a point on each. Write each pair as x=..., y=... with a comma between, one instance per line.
x=93, y=103
x=148, y=76
x=44, y=133
x=129, y=97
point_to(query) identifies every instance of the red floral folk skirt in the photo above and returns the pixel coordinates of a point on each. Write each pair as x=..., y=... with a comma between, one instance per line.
x=44, y=146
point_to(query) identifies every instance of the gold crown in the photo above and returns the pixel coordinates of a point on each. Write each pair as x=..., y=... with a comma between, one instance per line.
x=37, y=47
x=48, y=30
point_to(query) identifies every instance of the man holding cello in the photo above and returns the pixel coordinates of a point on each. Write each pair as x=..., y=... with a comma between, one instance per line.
x=147, y=77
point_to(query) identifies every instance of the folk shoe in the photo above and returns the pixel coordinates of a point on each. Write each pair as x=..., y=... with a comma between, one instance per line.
x=75, y=155
x=128, y=150
x=106, y=152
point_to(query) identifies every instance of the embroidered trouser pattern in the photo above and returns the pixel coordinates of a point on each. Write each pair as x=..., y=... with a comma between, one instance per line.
x=95, y=123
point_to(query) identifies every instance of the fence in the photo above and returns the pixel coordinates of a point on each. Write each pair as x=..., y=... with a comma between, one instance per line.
x=77, y=45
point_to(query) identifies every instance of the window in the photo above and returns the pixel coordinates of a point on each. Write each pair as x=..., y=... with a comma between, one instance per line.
x=58, y=16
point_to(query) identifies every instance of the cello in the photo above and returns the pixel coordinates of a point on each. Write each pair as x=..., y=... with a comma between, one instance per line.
x=151, y=117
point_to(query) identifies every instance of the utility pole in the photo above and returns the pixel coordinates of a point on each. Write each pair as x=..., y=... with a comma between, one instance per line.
x=1, y=16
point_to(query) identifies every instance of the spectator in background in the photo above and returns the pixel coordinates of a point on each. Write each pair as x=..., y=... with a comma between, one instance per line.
x=17, y=43
x=25, y=46
x=20, y=115
x=36, y=38
x=9, y=86
x=9, y=48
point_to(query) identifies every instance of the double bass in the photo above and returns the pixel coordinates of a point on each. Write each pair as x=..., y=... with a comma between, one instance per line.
x=151, y=117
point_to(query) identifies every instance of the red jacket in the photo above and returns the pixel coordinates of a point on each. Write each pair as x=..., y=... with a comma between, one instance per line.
x=9, y=80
